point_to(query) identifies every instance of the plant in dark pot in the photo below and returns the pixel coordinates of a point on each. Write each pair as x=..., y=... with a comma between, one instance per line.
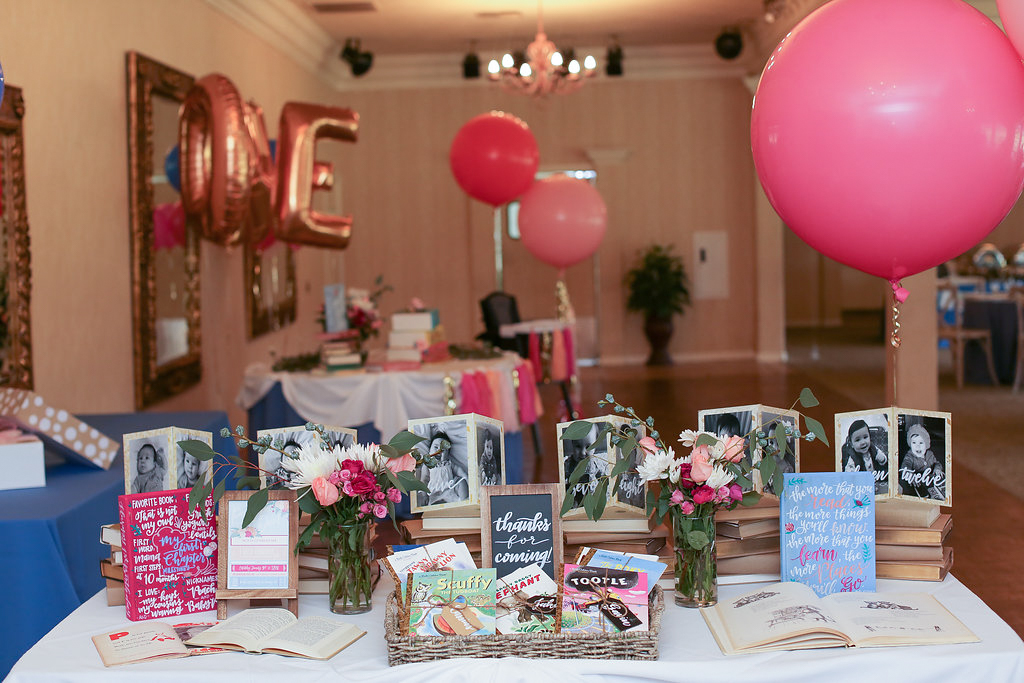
x=658, y=288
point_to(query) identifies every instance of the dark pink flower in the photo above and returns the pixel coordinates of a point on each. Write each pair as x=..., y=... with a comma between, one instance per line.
x=687, y=507
x=394, y=495
x=703, y=494
x=735, y=492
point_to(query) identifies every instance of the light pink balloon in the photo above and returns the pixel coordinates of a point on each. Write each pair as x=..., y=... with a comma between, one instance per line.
x=889, y=134
x=1011, y=13
x=562, y=220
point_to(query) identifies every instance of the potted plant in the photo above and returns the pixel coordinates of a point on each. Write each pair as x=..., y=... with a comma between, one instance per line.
x=658, y=288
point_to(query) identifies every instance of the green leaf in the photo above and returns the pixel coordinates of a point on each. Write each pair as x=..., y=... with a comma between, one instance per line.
x=697, y=539
x=249, y=482
x=404, y=440
x=305, y=538
x=705, y=440
x=410, y=482
x=581, y=468
x=628, y=446
x=652, y=502
x=392, y=479
x=750, y=498
x=566, y=506
x=197, y=449
x=589, y=501
x=602, y=498
x=767, y=467
x=620, y=467
x=816, y=429
x=307, y=501
x=218, y=491
x=197, y=495
x=577, y=430
x=239, y=462
x=780, y=438
x=389, y=451
x=257, y=502
x=807, y=398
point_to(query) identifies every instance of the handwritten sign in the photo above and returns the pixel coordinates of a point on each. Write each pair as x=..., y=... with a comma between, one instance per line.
x=828, y=531
x=520, y=526
x=170, y=556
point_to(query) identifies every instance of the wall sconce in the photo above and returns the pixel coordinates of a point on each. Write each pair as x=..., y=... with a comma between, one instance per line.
x=471, y=63
x=359, y=61
x=729, y=43
x=613, y=60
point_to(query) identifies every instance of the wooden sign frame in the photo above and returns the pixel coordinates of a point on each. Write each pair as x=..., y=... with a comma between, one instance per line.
x=486, y=537
x=290, y=594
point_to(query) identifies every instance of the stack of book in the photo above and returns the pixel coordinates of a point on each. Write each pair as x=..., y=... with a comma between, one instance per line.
x=112, y=569
x=747, y=539
x=910, y=541
x=411, y=333
x=634, y=536
x=340, y=354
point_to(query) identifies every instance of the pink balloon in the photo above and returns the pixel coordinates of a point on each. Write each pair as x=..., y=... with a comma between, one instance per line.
x=494, y=157
x=1011, y=13
x=562, y=220
x=888, y=133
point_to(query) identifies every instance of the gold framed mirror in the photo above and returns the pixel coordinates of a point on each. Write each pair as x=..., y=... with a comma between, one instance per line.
x=269, y=288
x=16, y=280
x=165, y=246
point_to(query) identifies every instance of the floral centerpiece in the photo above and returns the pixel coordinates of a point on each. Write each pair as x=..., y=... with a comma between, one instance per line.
x=342, y=489
x=362, y=312
x=716, y=474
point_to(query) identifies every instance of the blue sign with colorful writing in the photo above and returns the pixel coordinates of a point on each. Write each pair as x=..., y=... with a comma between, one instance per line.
x=828, y=531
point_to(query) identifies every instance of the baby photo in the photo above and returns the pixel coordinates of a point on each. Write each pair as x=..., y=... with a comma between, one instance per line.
x=447, y=441
x=190, y=470
x=489, y=454
x=788, y=461
x=863, y=444
x=272, y=474
x=574, y=451
x=924, y=468
x=145, y=463
x=726, y=422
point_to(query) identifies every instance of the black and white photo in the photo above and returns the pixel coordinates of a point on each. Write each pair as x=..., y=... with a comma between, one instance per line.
x=146, y=467
x=789, y=461
x=574, y=451
x=446, y=440
x=488, y=451
x=862, y=442
x=291, y=440
x=924, y=463
x=726, y=422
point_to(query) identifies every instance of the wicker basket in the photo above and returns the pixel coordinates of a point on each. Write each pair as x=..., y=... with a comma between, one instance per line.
x=639, y=645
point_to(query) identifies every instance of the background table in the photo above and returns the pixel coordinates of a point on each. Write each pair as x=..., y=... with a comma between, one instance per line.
x=50, y=535
x=999, y=316
x=688, y=653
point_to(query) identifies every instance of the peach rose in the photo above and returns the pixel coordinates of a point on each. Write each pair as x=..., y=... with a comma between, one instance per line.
x=700, y=464
x=324, y=491
x=648, y=444
x=733, y=448
x=406, y=463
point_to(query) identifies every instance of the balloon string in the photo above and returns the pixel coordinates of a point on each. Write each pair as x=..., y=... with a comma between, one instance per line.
x=899, y=295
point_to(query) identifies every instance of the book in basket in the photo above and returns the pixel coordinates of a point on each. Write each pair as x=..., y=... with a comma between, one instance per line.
x=790, y=616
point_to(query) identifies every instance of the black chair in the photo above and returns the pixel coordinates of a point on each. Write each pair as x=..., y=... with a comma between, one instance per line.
x=499, y=308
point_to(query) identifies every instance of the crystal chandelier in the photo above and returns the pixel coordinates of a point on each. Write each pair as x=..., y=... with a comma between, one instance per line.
x=544, y=71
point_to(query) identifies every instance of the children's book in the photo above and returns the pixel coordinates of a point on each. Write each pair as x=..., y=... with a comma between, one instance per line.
x=790, y=616
x=602, y=600
x=598, y=557
x=153, y=640
x=527, y=601
x=169, y=554
x=445, y=554
x=272, y=630
x=449, y=603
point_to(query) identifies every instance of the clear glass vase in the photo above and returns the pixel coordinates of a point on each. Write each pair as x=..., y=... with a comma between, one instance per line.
x=350, y=568
x=696, y=567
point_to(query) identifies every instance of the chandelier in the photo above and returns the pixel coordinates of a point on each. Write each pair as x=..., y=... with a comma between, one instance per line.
x=544, y=70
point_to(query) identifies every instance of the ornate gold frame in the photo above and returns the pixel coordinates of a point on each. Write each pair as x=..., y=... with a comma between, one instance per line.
x=147, y=77
x=19, y=275
x=260, y=319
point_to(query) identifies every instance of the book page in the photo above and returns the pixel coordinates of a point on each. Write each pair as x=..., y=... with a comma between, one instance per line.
x=878, y=619
x=247, y=629
x=774, y=613
x=138, y=642
x=314, y=637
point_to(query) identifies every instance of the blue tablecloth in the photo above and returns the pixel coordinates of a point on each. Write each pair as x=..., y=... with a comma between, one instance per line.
x=50, y=536
x=1000, y=318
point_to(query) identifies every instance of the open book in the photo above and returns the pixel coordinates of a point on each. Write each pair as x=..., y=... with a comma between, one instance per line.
x=277, y=631
x=789, y=616
x=152, y=640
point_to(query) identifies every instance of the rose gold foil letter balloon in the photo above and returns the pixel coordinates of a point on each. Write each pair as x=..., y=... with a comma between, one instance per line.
x=299, y=173
x=262, y=176
x=216, y=159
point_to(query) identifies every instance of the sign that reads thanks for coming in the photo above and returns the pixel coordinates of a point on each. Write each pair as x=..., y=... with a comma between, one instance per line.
x=519, y=526
x=828, y=531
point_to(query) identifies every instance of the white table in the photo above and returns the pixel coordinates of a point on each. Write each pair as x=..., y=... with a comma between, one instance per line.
x=688, y=653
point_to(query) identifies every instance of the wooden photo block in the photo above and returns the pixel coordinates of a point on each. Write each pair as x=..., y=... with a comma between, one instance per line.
x=745, y=421
x=257, y=562
x=630, y=499
x=865, y=441
x=153, y=460
x=519, y=526
x=291, y=440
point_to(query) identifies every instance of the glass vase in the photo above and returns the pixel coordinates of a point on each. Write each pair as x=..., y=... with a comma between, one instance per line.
x=349, y=568
x=696, y=568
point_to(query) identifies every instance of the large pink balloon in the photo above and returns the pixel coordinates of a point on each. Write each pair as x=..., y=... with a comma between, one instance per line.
x=889, y=134
x=562, y=220
x=494, y=157
x=1011, y=13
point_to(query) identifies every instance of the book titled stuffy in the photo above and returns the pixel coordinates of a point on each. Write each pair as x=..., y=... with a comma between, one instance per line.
x=170, y=555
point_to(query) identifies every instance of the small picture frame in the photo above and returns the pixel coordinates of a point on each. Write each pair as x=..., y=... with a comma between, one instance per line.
x=335, y=308
x=272, y=475
x=257, y=561
x=153, y=460
x=470, y=448
x=924, y=463
x=630, y=500
x=864, y=442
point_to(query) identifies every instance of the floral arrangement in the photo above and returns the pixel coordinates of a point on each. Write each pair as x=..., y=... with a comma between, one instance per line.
x=361, y=311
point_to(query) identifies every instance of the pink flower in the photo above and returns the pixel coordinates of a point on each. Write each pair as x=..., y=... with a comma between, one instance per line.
x=733, y=448
x=324, y=491
x=366, y=507
x=394, y=495
x=700, y=464
x=735, y=492
x=790, y=527
x=416, y=304
x=334, y=477
x=687, y=507
x=363, y=484
x=406, y=463
x=344, y=475
x=380, y=511
x=703, y=494
x=648, y=444
x=378, y=496
x=677, y=497
x=722, y=495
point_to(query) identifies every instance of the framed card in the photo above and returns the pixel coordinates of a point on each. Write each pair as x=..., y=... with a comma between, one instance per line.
x=925, y=460
x=630, y=500
x=519, y=526
x=864, y=442
x=292, y=439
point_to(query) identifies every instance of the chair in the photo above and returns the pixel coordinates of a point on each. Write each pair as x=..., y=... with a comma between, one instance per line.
x=1018, y=297
x=499, y=308
x=951, y=309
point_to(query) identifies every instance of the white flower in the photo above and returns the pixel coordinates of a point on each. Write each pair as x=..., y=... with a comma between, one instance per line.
x=717, y=450
x=656, y=465
x=368, y=454
x=675, y=470
x=312, y=461
x=719, y=477
x=687, y=437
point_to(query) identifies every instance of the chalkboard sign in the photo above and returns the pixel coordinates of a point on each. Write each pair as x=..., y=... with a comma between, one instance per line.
x=519, y=525
x=828, y=531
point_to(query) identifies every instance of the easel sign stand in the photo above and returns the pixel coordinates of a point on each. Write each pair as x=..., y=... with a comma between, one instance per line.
x=256, y=563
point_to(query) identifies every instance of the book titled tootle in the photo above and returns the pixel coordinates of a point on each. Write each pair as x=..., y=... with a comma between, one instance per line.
x=170, y=555
x=603, y=600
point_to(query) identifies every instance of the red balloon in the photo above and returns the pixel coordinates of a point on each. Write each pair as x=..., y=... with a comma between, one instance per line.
x=562, y=220
x=494, y=157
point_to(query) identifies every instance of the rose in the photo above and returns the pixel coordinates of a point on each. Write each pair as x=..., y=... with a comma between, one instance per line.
x=703, y=494
x=324, y=491
x=722, y=494
x=735, y=492
x=700, y=464
x=405, y=463
x=380, y=511
x=379, y=496
x=733, y=451
x=648, y=444
x=685, y=480
x=687, y=507
x=363, y=484
x=677, y=497
x=394, y=495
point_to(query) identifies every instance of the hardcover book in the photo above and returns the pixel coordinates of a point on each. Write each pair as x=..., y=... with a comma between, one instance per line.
x=170, y=555
x=601, y=600
x=527, y=601
x=459, y=602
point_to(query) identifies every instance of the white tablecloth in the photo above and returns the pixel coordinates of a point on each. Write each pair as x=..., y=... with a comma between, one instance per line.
x=387, y=399
x=688, y=653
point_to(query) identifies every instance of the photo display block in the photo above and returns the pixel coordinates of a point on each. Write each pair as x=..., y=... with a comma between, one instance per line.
x=291, y=440
x=630, y=498
x=745, y=421
x=153, y=460
x=828, y=531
